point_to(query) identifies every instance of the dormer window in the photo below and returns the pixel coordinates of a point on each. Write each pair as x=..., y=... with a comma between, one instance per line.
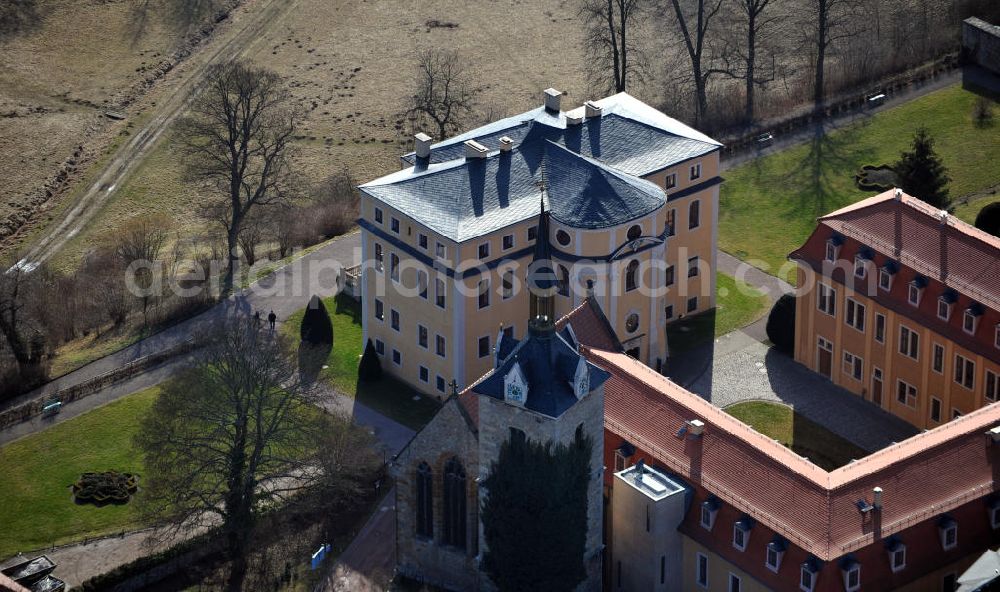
x=581, y=380
x=886, y=275
x=897, y=555
x=948, y=531
x=807, y=577
x=515, y=387
x=996, y=337
x=774, y=553
x=970, y=320
x=832, y=249
x=915, y=290
x=709, y=510
x=945, y=303
x=741, y=533
x=861, y=262
x=622, y=455
x=994, y=512
x=852, y=576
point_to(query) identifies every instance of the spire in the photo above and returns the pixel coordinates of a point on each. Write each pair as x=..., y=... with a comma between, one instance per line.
x=542, y=281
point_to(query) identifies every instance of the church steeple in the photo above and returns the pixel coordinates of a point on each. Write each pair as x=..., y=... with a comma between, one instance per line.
x=542, y=281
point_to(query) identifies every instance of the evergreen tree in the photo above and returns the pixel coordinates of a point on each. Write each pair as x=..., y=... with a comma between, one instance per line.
x=781, y=323
x=370, y=369
x=988, y=219
x=921, y=174
x=535, y=515
x=316, y=326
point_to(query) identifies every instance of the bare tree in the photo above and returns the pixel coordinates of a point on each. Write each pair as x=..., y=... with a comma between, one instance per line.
x=832, y=25
x=137, y=247
x=20, y=331
x=610, y=40
x=249, y=237
x=695, y=37
x=236, y=434
x=444, y=91
x=753, y=11
x=239, y=139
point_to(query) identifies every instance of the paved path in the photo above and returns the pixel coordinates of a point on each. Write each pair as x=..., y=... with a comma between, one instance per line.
x=367, y=565
x=737, y=367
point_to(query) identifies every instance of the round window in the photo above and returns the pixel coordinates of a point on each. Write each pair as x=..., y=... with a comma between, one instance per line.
x=634, y=232
x=562, y=237
x=632, y=323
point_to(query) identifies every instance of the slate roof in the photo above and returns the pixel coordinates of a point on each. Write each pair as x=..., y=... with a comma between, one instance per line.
x=591, y=171
x=549, y=366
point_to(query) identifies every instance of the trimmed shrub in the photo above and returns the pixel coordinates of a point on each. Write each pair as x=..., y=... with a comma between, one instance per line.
x=988, y=219
x=316, y=326
x=781, y=324
x=370, y=368
x=104, y=488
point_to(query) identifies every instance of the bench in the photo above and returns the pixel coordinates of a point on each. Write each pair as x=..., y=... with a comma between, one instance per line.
x=876, y=99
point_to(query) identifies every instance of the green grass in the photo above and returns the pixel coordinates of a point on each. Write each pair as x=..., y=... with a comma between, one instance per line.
x=737, y=305
x=769, y=206
x=388, y=396
x=804, y=437
x=38, y=508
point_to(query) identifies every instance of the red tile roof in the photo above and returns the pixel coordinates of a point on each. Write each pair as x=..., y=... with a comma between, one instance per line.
x=939, y=246
x=926, y=475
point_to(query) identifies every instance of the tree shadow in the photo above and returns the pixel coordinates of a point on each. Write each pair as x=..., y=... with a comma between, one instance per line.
x=181, y=16
x=348, y=306
x=18, y=17
x=691, y=343
x=831, y=158
x=312, y=358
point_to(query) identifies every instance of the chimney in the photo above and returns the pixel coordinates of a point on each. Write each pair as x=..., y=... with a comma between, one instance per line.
x=943, y=244
x=877, y=498
x=696, y=427
x=898, y=194
x=552, y=97
x=506, y=144
x=592, y=109
x=474, y=149
x=573, y=119
x=422, y=143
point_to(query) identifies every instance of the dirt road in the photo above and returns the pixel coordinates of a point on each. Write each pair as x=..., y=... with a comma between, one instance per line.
x=233, y=42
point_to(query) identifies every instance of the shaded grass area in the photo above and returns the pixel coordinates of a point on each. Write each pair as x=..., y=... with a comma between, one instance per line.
x=38, y=507
x=803, y=436
x=388, y=396
x=769, y=206
x=737, y=305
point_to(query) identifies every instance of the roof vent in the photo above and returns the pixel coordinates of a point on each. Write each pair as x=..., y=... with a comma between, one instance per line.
x=474, y=149
x=552, y=97
x=943, y=216
x=696, y=427
x=592, y=109
x=506, y=144
x=422, y=144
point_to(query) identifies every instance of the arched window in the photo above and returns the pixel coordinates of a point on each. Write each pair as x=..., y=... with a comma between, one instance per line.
x=425, y=501
x=631, y=275
x=563, y=281
x=634, y=232
x=454, y=504
x=694, y=214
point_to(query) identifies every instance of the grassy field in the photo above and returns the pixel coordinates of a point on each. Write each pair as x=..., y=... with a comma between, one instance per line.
x=805, y=437
x=769, y=206
x=38, y=509
x=388, y=396
x=737, y=305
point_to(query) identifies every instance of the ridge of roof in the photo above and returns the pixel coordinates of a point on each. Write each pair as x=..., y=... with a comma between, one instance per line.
x=627, y=106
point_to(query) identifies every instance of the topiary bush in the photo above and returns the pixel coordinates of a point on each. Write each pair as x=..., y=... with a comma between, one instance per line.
x=370, y=368
x=316, y=326
x=781, y=324
x=109, y=487
x=988, y=219
x=875, y=178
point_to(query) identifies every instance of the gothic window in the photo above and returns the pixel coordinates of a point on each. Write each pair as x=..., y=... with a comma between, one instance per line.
x=454, y=504
x=425, y=501
x=631, y=275
x=563, y=281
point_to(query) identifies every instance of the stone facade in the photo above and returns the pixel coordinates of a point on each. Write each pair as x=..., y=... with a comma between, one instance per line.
x=449, y=435
x=981, y=43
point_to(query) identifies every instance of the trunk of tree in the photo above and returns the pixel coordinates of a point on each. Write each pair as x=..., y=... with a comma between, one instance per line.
x=700, y=92
x=622, y=70
x=821, y=43
x=232, y=260
x=615, y=57
x=751, y=59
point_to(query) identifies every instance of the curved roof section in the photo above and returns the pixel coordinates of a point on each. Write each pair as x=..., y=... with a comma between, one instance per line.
x=467, y=198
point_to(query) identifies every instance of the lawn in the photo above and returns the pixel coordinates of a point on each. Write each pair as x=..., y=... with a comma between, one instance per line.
x=38, y=509
x=737, y=305
x=769, y=206
x=388, y=396
x=804, y=437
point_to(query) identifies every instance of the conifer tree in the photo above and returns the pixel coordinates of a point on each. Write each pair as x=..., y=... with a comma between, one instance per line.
x=370, y=369
x=921, y=174
x=316, y=326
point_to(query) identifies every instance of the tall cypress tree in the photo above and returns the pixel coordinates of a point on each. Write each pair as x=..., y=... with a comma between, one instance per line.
x=535, y=515
x=921, y=173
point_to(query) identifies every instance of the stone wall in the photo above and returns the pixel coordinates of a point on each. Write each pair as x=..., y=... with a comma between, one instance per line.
x=447, y=435
x=981, y=43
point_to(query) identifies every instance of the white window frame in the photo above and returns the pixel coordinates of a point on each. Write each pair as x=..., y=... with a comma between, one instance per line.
x=853, y=366
x=503, y=241
x=483, y=251
x=739, y=583
x=884, y=280
x=397, y=354
x=670, y=181
x=778, y=554
x=694, y=222
x=944, y=530
x=996, y=336
x=991, y=385
x=965, y=372
x=855, y=314
x=443, y=351
x=826, y=299
x=911, y=345
x=907, y=389
x=701, y=577
x=395, y=320
x=422, y=240
x=375, y=313
x=855, y=570
x=807, y=569
x=994, y=512
x=440, y=250
x=695, y=172
x=860, y=266
x=935, y=349
x=940, y=407
x=894, y=555
x=971, y=330
x=427, y=335
x=378, y=215
x=619, y=461
x=745, y=535
x=944, y=309
x=880, y=327
x=394, y=224
x=710, y=514
x=832, y=250
x=914, y=293
x=421, y=371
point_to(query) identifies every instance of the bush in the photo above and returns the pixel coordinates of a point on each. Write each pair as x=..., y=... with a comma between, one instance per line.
x=316, y=326
x=988, y=219
x=107, y=487
x=370, y=368
x=781, y=324
x=982, y=112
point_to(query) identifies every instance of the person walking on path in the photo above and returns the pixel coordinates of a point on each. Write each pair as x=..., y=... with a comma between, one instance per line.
x=256, y=319
x=271, y=318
